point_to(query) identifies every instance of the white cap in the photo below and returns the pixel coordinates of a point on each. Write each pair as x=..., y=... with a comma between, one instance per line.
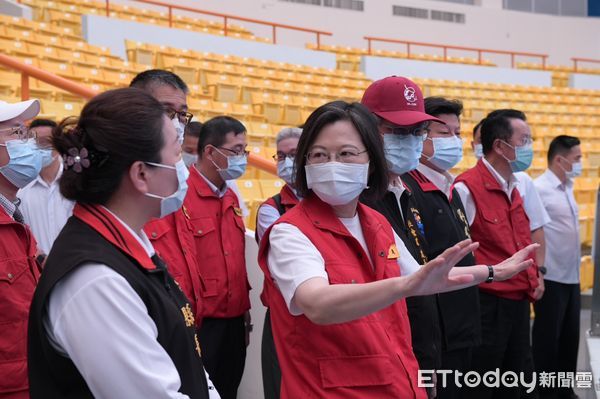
x=25, y=110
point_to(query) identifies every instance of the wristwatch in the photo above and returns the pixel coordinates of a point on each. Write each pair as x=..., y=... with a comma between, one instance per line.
x=542, y=270
x=490, y=275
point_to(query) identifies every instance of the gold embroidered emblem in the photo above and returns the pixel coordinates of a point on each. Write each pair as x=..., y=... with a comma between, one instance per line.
x=464, y=221
x=238, y=211
x=188, y=315
x=393, y=252
x=197, y=345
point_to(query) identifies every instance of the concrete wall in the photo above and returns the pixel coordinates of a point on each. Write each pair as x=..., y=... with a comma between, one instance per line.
x=14, y=9
x=112, y=32
x=487, y=26
x=378, y=67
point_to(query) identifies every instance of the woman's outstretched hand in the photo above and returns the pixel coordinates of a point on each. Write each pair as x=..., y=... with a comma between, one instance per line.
x=434, y=276
x=517, y=263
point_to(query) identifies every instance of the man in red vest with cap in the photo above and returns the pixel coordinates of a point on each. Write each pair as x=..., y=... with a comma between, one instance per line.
x=497, y=219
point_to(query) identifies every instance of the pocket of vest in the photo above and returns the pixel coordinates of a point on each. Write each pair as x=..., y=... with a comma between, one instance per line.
x=355, y=371
x=210, y=287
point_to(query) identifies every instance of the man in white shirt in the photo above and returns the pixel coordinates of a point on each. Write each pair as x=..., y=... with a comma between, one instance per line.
x=44, y=209
x=557, y=314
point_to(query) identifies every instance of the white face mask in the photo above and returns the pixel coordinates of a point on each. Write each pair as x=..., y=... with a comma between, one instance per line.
x=478, y=151
x=285, y=170
x=189, y=159
x=576, y=169
x=337, y=183
x=179, y=127
x=173, y=202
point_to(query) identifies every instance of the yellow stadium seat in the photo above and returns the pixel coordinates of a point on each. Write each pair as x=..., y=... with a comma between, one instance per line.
x=250, y=189
x=270, y=187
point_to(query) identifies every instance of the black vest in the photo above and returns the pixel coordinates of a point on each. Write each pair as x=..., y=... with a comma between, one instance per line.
x=445, y=225
x=422, y=310
x=52, y=375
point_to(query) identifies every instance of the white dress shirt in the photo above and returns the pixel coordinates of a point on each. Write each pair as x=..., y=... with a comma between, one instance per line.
x=221, y=192
x=563, y=245
x=266, y=216
x=534, y=208
x=442, y=180
x=467, y=198
x=95, y=318
x=45, y=210
x=293, y=258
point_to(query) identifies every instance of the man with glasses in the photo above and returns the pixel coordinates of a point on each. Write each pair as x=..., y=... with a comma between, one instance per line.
x=20, y=163
x=218, y=230
x=398, y=105
x=497, y=219
x=44, y=209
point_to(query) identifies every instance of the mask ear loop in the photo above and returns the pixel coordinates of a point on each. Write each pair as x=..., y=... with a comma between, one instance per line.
x=226, y=157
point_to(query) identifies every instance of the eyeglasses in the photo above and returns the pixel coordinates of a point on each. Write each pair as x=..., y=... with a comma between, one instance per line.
x=183, y=116
x=238, y=153
x=281, y=156
x=525, y=141
x=322, y=156
x=19, y=133
x=421, y=129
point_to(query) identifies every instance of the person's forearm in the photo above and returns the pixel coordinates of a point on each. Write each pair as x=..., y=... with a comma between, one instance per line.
x=480, y=273
x=330, y=304
x=537, y=236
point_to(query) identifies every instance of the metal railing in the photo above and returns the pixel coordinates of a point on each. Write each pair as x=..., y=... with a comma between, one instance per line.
x=445, y=48
x=227, y=18
x=577, y=60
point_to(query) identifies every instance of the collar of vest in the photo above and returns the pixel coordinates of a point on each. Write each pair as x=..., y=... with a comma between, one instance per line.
x=323, y=217
x=5, y=217
x=489, y=181
x=103, y=222
x=424, y=183
x=288, y=197
x=200, y=185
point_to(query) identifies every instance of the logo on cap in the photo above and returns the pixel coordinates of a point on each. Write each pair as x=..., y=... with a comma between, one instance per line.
x=410, y=95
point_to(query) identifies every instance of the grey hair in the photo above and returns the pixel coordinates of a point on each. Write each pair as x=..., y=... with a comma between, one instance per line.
x=288, y=133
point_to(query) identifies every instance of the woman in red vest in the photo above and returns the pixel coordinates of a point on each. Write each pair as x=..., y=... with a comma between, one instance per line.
x=337, y=274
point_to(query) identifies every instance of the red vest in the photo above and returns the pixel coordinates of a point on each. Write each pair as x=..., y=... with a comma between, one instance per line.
x=19, y=274
x=219, y=236
x=501, y=227
x=288, y=201
x=173, y=241
x=370, y=357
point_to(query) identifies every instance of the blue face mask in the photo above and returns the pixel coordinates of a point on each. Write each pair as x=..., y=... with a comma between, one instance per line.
x=285, y=170
x=189, y=159
x=25, y=162
x=447, y=152
x=47, y=157
x=236, y=166
x=173, y=202
x=523, y=158
x=402, y=152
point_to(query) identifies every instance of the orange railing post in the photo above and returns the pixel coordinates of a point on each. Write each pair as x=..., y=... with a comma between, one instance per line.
x=274, y=34
x=107, y=8
x=262, y=163
x=318, y=41
x=225, y=26
x=24, y=86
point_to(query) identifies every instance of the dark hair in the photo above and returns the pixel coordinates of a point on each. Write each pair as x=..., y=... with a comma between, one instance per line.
x=151, y=78
x=366, y=125
x=42, y=122
x=214, y=130
x=116, y=128
x=193, y=129
x=477, y=126
x=561, y=145
x=497, y=126
x=436, y=106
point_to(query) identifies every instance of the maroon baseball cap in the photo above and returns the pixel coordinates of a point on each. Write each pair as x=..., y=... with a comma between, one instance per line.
x=397, y=100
